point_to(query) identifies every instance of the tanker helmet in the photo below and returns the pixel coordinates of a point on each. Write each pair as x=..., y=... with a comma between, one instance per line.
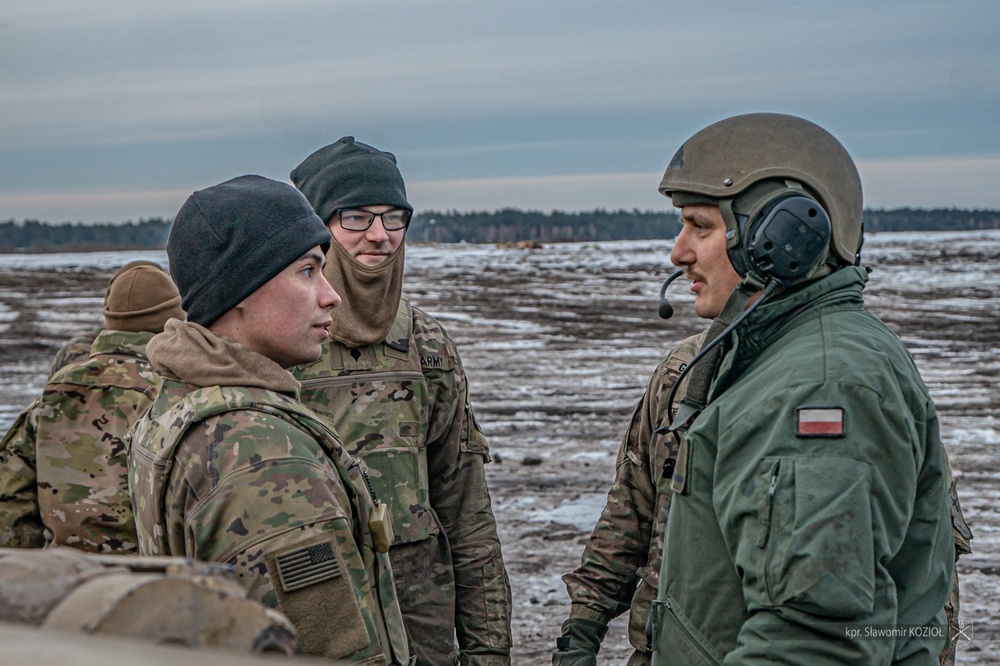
x=773, y=168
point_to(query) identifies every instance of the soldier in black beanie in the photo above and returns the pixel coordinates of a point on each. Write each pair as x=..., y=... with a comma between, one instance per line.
x=228, y=240
x=227, y=465
x=414, y=426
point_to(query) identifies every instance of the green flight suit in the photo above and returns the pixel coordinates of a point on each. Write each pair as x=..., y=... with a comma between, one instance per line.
x=814, y=504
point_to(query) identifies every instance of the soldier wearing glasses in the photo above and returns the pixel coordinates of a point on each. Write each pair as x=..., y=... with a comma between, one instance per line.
x=391, y=382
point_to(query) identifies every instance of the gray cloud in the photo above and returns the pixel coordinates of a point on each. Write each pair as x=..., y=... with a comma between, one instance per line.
x=129, y=99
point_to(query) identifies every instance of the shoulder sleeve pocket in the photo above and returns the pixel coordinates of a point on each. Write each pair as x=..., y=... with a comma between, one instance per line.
x=820, y=543
x=473, y=439
x=314, y=591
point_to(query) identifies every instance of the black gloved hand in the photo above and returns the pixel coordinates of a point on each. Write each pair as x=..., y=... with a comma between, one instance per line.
x=580, y=642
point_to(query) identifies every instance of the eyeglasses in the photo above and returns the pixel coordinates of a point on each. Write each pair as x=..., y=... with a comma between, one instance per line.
x=355, y=219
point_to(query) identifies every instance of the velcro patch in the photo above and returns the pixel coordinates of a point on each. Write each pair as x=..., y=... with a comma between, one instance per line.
x=819, y=421
x=307, y=566
x=436, y=362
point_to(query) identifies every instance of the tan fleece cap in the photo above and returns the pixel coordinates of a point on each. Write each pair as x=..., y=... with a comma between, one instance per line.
x=141, y=297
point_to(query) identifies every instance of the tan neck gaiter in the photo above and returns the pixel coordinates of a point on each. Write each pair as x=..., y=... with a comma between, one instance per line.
x=201, y=357
x=370, y=296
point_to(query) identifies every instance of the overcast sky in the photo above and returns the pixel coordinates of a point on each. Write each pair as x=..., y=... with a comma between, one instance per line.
x=112, y=111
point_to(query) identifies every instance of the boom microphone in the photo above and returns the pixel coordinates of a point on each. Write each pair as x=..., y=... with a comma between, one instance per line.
x=666, y=310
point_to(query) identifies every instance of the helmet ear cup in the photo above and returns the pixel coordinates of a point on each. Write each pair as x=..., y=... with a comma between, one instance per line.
x=789, y=237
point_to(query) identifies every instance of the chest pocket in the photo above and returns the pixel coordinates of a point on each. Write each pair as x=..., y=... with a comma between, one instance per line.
x=376, y=399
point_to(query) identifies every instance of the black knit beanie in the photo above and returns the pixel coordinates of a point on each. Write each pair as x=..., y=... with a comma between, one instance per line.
x=228, y=240
x=349, y=174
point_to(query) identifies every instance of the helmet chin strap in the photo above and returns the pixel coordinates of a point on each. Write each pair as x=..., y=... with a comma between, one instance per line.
x=733, y=313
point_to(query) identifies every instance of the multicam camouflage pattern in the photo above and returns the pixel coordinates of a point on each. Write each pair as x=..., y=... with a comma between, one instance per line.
x=627, y=543
x=621, y=563
x=248, y=476
x=963, y=546
x=403, y=406
x=75, y=349
x=64, y=466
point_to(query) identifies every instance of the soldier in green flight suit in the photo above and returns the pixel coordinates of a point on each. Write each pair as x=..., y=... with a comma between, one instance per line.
x=809, y=504
x=620, y=565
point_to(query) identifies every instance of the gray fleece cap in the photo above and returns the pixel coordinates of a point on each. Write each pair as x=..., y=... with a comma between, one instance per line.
x=350, y=174
x=228, y=240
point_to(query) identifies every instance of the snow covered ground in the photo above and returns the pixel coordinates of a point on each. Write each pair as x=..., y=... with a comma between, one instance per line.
x=559, y=343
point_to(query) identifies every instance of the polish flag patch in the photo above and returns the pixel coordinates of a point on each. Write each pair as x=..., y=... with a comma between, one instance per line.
x=819, y=421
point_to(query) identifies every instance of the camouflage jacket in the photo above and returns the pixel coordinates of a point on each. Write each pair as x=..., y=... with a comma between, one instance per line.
x=251, y=477
x=620, y=565
x=63, y=464
x=403, y=406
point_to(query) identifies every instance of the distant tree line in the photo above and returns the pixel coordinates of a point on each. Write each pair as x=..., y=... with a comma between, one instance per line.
x=936, y=219
x=37, y=236
x=505, y=225
x=512, y=224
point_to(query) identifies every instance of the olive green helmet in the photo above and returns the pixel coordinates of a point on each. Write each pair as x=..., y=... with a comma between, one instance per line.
x=726, y=159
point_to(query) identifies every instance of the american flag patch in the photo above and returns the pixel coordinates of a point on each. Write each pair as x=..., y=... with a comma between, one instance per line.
x=819, y=421
x=307, y=566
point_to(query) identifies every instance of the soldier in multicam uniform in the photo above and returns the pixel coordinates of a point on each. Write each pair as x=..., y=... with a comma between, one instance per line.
x=391, y=382
x=63, y=464
x=227, y=465
x=621, y=562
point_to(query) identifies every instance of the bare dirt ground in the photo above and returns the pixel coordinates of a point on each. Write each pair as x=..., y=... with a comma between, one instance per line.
x=559, y=343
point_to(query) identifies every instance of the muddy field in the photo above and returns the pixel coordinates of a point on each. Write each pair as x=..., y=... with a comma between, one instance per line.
x=558, y=344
